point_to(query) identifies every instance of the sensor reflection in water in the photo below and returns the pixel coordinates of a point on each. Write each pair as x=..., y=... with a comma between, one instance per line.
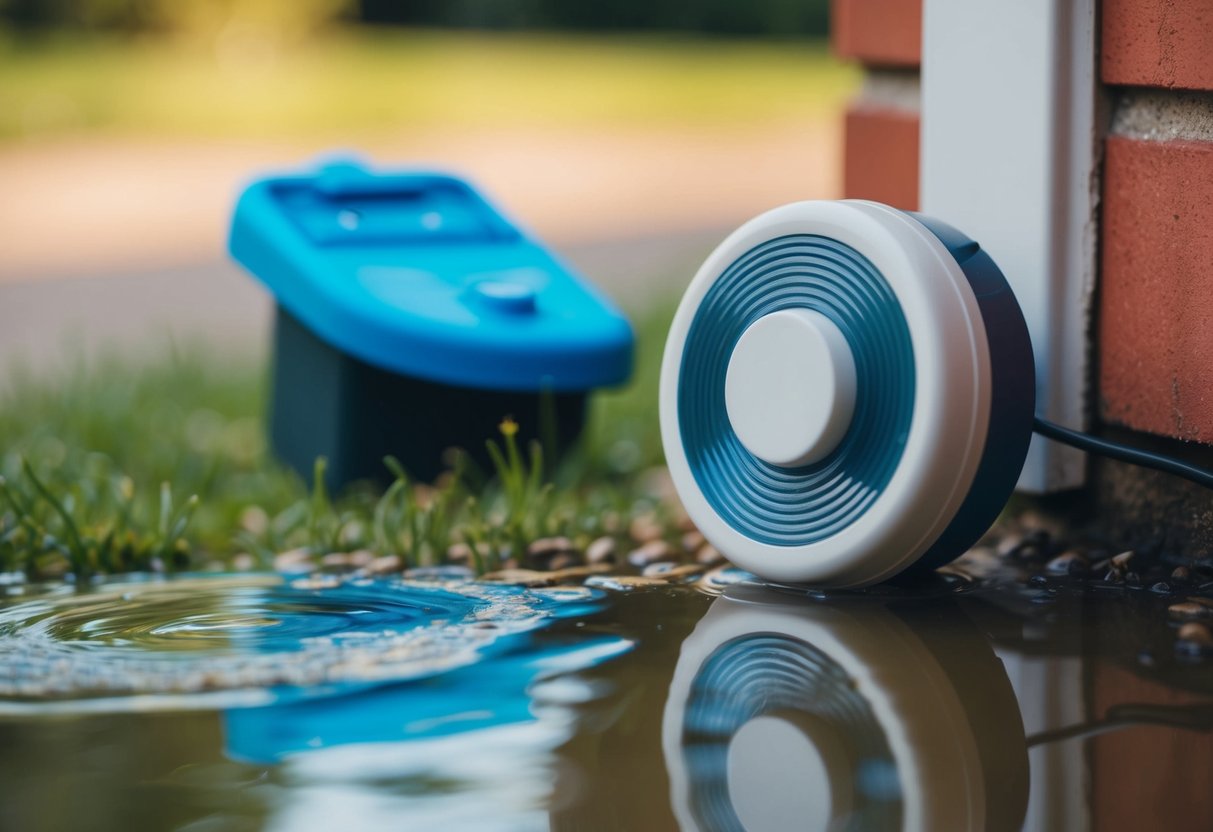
x=852, y=714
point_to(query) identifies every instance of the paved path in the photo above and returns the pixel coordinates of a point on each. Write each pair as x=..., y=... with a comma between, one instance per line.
x=104, y=206
x=116, y=242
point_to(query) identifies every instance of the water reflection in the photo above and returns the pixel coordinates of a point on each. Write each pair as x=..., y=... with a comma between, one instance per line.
x=953, y=704
x=255, y=639
x=504, y=690
x=452, y=750
x=789, y=713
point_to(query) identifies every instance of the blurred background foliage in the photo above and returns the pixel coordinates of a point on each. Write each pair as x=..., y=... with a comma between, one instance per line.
x=289, y=19
x=132, y=122
x=292, y=68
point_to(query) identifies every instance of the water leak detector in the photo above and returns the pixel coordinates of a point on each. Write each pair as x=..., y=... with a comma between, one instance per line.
x=412, y=317
x=848, y=392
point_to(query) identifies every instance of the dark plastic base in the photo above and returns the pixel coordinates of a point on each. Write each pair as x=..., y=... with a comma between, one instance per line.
x=328, y=403
x=1013, y=398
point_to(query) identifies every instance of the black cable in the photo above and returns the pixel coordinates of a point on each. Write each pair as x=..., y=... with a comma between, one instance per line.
x=1123, y=453
x=1198, y=717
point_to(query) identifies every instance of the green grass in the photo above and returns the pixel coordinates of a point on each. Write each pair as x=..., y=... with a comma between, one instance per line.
x=119, y=466
x=360, y=81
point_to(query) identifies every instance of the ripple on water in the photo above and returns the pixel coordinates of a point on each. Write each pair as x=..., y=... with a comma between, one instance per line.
x=242, y=640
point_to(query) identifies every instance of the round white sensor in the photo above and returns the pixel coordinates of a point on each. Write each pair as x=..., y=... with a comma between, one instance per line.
x=790, y=387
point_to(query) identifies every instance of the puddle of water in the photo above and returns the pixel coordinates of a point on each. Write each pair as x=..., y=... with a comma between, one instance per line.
x=262, y=703
x=241, y=640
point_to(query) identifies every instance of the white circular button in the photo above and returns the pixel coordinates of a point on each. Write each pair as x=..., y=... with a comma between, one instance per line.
x=790, y=387
x=787, y=771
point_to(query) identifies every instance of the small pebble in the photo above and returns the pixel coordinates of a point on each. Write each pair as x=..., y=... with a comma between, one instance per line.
x=645, y=528
x=1068, y=563
x=1162, y=588
x=520, y=577
x=673, y=571
x=577, y=573
x=715, y=581
x=1190, y=609
x=294, y=560
x=1133, y=579
x=1122, y=560
x=656, y=481
x=1196, y=633
x=692, y=542
x=337, y=562
x=459, y=553
x=1029, y=546
x=1009, y=545
x=653, y=552
x=1035, y=545
x=601, y=550
x=386, y=565
x=1181, y=574
x=709, y=555
x=563, y=560
x=547, y=547
x=361, y=558
x=980, y=560
x=624, y=583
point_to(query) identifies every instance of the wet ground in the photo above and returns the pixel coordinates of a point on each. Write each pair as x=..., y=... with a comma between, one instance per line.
x=1060, y=692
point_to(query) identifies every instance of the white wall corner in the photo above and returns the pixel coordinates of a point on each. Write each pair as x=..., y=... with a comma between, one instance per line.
x=1012, y=124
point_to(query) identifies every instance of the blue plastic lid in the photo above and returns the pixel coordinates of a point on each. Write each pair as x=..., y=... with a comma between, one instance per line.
x=417, y=274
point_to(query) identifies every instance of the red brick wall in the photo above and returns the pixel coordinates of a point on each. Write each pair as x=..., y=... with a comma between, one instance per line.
x=1156, y=307
x=880, y=158
x=1155, y=312
x=1158, y=43
x=1156, y=241
x=878, y=32
x=880, y=145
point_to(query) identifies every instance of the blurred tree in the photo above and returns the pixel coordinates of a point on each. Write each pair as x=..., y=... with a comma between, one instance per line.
x=286, y=19
x=205, y=20
x=753, y=17
x=208, y=20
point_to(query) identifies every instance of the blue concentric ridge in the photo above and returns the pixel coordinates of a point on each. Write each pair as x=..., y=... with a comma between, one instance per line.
x=796, y=506
x=769, y=673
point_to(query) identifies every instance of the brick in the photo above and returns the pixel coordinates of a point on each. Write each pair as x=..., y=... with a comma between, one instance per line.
x=881, y=156
x=1156, y=287
x=878, y=32
x=1158, y=43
